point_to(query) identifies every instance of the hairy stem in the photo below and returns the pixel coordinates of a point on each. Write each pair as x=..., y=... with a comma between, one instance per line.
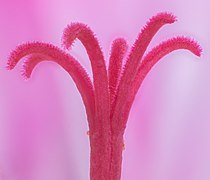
x=101, y=147
x=52, y=53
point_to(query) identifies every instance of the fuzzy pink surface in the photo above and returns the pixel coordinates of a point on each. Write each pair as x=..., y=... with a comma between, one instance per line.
x=107, y=110
x=168, y=131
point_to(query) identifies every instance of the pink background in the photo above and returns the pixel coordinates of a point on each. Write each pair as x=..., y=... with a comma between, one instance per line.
x=43, y=123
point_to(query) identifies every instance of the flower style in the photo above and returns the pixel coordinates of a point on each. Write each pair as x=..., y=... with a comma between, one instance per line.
x=108, y=99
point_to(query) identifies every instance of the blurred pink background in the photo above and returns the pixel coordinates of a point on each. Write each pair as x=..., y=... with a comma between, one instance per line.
x=43, y=123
